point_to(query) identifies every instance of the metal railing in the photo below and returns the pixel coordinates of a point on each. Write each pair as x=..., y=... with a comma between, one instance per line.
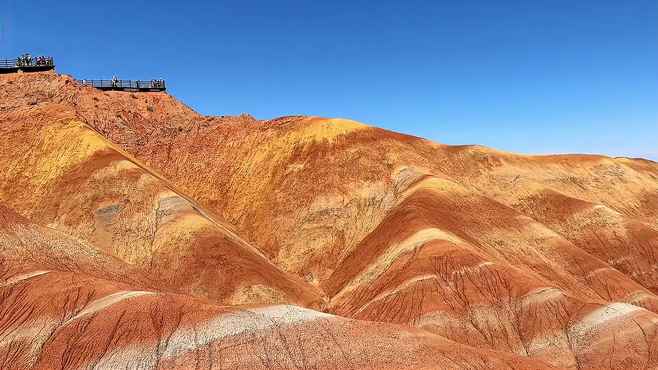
x=125, y=84
x=23, y=62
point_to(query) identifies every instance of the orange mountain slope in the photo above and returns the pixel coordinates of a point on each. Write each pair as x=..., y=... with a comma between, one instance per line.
x=58, y=171
x=66, y=304
x=551, y=259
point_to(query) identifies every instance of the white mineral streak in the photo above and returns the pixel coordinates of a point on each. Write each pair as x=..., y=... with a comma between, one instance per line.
x=235, y=323
x=192, y=337
x=106, y=301
x=603, y=315
x=19, y=278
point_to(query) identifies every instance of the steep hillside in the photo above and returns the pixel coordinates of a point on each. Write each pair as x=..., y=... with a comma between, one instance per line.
x=553, y=258
x=398, y=229
x=65, y=304
x=58, y=171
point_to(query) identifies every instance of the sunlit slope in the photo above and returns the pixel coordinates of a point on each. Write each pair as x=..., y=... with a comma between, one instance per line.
x=463, y=266
x=552, y=257
x=550, y=290
x=68, y=305
x=327, y=191
x=58, y=171
x=28, y=250
x=548, y=257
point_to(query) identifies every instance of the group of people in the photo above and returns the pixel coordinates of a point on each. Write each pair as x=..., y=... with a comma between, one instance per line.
x=26, y=61
x=44, y=61
x=155, y=84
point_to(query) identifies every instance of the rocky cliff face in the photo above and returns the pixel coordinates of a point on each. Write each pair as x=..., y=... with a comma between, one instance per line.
x=170, y=240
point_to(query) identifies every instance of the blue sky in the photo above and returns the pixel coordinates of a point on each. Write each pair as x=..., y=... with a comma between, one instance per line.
x=531, y=77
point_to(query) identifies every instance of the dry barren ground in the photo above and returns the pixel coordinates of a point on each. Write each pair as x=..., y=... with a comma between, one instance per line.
x=136, y=233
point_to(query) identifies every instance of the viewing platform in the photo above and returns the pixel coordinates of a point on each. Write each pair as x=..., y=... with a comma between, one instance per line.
x=26, y=63
x=126, y=85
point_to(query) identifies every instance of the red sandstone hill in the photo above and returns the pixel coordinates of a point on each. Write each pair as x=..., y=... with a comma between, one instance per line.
x=66, y=304
x=170, y=239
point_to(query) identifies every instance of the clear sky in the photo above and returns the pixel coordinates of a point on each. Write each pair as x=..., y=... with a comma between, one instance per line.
x=531, y=77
